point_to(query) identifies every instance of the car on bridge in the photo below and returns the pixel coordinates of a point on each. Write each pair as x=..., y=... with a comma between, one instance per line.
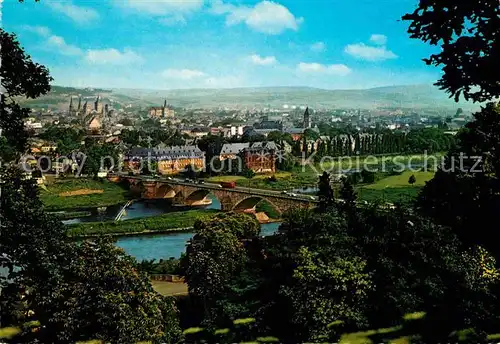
x=228, y=185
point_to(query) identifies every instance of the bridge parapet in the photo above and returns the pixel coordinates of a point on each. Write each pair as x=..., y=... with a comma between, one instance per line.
x=238, y=199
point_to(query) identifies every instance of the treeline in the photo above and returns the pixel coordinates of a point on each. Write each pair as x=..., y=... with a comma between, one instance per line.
x=334, y=270
x=431, y=140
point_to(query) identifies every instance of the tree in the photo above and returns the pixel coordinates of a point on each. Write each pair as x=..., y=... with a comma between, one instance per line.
x=190, y=172
x=466, y=190
x=310, y=134
x=248, y=173
x=325, y=191
x=326, y=288
x=212, y=146
x=413, y=263
x=74, y=291
x=98, y=156
x=368, y=176
x=106, y=301
x=66, y=139
x=214, y=256
x=347, y=193
x=126, y=122
x=21, y=77
x=468, y=35
x=412, y=180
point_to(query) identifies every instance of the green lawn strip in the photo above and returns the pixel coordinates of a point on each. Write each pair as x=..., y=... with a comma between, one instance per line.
x=401, y=180
x=394, y=188
x=112, y=194
x=160, y=223
x=71, y=214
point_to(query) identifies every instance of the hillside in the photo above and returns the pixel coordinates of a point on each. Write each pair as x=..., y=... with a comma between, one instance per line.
x=413, y=96
x=408, y=97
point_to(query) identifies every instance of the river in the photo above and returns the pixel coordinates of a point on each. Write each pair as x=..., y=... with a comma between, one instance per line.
x=156, y=246
x=168, y=245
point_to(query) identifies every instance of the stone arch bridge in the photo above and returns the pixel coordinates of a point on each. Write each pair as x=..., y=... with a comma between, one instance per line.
x=239, y=199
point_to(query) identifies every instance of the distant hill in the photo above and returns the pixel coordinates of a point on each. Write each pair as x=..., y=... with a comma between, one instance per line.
x=406, y=97
x=413, y=96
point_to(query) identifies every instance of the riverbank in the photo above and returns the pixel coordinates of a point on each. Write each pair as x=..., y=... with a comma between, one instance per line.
x=116, y=231
x=82, y=193
x=137, y=234
x=68, y=215
x=167, y=223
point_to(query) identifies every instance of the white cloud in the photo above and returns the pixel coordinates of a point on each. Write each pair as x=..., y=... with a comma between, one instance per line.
x=54, y=42
x=365, y=52
x=39, y=30
x=378, y=39
x=63, y=47
x=112, y=56
x=162, y=7
x=79, y=14
x=263, y=61
x=183, y=74
x=334, y=69
x=318, y=47
x=266, y=16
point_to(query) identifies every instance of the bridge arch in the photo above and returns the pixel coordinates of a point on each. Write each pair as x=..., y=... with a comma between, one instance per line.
x=196, y=197
x=165, y=191
x=252, y=201
x=136, y=186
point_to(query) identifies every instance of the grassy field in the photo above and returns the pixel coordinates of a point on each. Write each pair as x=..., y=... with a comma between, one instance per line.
x=169, y=288
x=387, y=161
x=401, y=180
x=58, y=194
x=394, y=188
x=308, y=175
x=170, y=221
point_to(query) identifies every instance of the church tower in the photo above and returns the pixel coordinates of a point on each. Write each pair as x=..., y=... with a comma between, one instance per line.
x=98, y=105
x=71, y=109
x=164, y=109
x=79, y=103
x=307, y=119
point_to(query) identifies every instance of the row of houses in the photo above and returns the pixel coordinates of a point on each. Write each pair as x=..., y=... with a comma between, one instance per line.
x=260, y=157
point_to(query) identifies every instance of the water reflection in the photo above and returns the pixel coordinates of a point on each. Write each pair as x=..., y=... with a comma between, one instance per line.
x=141, y=208
x=168, y=245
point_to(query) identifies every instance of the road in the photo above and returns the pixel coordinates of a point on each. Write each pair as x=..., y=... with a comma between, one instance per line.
x=250, y=191
x=216, y=186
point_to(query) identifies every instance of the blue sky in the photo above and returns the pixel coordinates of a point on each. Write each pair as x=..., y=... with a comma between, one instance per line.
x=170, y=44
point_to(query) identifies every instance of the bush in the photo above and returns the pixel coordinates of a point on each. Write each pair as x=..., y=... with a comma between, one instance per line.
x=272, y=179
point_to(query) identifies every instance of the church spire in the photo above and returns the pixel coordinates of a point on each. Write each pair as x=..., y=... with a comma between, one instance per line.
x=70, y=104
x=307, y=119
x=164, y=108
x=79, y=103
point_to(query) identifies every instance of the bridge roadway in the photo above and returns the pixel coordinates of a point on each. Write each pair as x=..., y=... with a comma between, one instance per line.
x=215, y=186
x=245, y=190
